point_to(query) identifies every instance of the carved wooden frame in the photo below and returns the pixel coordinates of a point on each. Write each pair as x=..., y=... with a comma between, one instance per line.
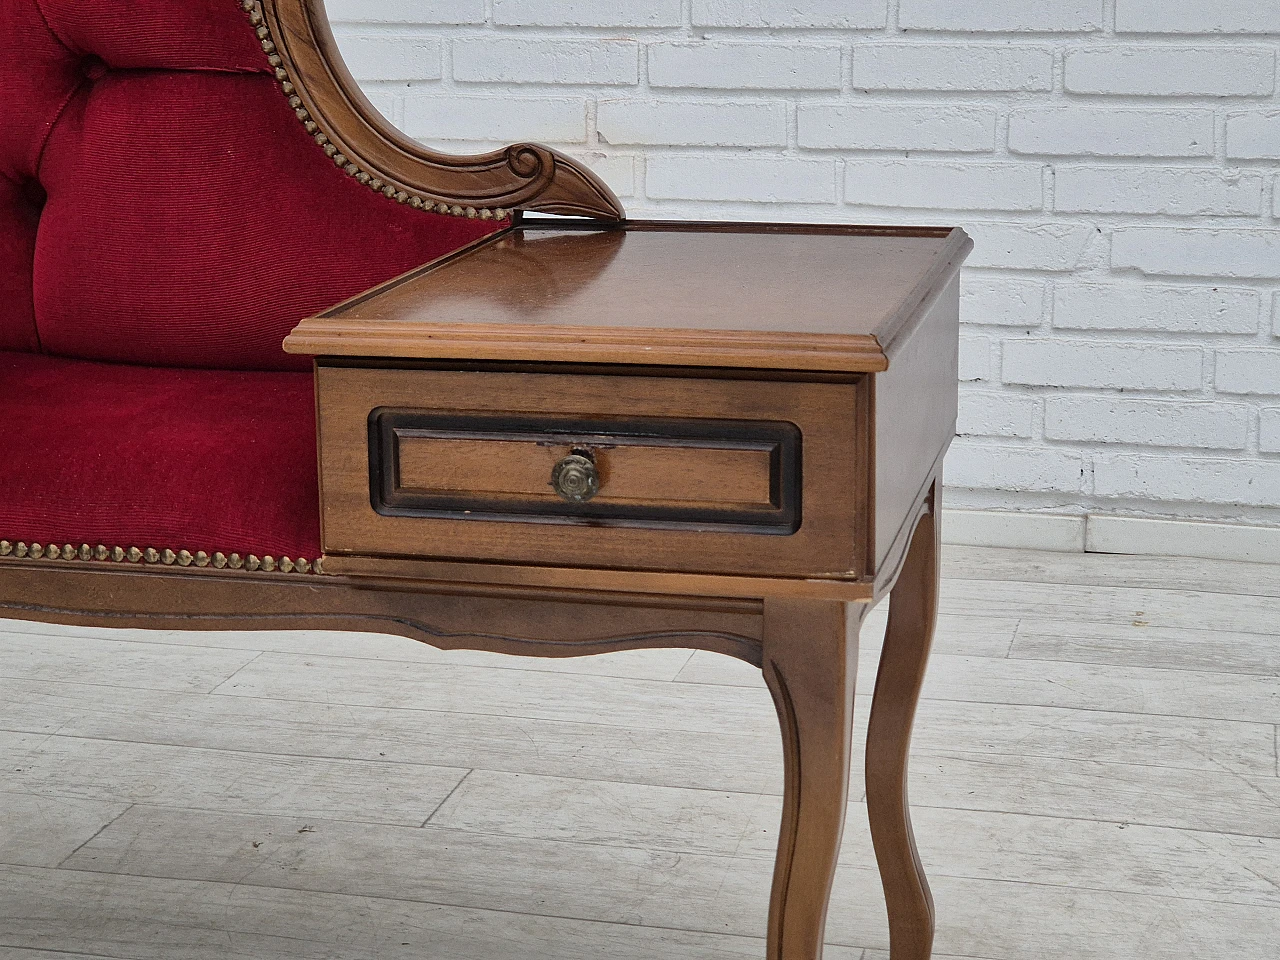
x=804, y=642
x=296, y=36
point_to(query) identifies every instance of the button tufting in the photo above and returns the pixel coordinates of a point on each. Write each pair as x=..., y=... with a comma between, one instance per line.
x=93, y=68
x=33, y=192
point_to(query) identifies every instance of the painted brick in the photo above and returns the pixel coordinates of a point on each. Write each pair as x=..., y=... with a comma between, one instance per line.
x=679, y=123
x=843, y=14
x=383, y=102
x=975, y=357
x=619, y=172
x=937, y=185
x=958, y=67
x=1168, y=72
x=1109, y=132
x=1253, y=254
x=1172, y=190
x=745, y=66
x=499, y=60
x=1275, y=315
x=1248, y=371
x=1056, y=363
x=391, y=57
x=584, y=13
x=738, y=178
x=1220, y=16
x=1054, y=247
x=405, y=11
x=1254, y=136
x=861, y=126
x=1269, y=432
x=1189, y=479
x=1162, y=423
x=989, y=466
x=1002, y=301
x=1147, y=308
x=496, y=118
x=996, y=415
x=1003, y=16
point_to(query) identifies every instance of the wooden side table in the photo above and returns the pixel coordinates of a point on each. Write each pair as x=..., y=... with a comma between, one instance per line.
x=727, y=436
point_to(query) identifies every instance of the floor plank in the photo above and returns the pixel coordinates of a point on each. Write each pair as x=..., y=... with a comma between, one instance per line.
x=113, y=771
x=1228, y=803
x=613, y=814
x=1109, y=604
x=634, y=704
x=1086, y=686
x=1233, y=577
x=1127, y=645
x=43, y=831
x=155, y=666
x=19, y=953
x=641, y=664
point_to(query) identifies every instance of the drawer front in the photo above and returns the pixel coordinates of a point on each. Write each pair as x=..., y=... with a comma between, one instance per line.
x=644, y=472
x=667, y=473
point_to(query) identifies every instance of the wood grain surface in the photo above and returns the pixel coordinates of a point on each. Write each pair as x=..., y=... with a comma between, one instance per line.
x=723, y=295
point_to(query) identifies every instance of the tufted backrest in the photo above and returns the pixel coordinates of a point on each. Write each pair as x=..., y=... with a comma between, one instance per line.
x=159, y=201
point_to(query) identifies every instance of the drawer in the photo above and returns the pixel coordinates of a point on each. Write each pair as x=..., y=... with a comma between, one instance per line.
x=645, y=472
x=624, y=471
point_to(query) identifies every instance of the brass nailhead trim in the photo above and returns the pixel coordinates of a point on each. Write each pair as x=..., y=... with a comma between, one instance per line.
x=254, y=9
x=183, y=558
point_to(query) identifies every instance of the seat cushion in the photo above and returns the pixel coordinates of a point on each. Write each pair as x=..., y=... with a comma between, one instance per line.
x=130, y=456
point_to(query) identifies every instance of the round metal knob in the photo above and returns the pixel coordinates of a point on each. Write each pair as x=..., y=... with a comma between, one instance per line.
x=575, y=479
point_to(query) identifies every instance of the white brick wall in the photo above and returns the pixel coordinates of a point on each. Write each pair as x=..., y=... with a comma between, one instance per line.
x=1172, y=71
x=1116, y=161
x=1253, y=135
x=745, y=66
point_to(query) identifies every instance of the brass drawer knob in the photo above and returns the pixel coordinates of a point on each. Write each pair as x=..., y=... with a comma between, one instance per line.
x=575, y=479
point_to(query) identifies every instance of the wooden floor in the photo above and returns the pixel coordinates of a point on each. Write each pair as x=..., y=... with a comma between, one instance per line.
x=1095, y=776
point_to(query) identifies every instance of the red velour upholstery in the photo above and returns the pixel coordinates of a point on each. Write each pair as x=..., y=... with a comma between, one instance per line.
x=161, y=206
x=189, y=220
x=142, y=457
x=19, y=215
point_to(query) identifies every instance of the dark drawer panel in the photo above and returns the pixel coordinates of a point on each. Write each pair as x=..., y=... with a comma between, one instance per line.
x=647, y=472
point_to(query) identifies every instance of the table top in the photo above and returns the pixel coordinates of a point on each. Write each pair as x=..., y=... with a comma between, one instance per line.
x=773, y=296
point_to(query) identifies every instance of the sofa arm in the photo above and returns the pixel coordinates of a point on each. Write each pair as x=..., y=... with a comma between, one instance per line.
x=300, y=45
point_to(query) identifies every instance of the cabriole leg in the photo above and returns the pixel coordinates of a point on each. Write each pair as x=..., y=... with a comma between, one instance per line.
x=810, y=664
x=913, y=605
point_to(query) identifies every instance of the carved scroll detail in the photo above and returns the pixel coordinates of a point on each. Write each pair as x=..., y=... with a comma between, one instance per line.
x=300, y=47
